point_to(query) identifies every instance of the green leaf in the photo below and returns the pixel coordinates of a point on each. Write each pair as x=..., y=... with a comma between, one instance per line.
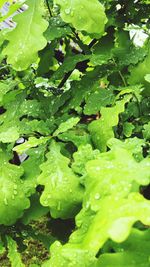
x=132, y=253
x=24, y=51
x=65, y=126
x=125, y=52
x=146, y=131
x=11, y=125
x=97, y=99
x=110, y=166
x=102, y=51
x=5, y=87
x=86, y=16
x=101, y=130
x=13, y=254
x=2, y=248
x=13, y=200
x=138, y=73
x=32, y=142
x=35, y=212
x=128, y=129
x=147, y=77
x=31, y=168
x=68, y=65
x=77, y=136
x=62, y=192
x=111, y=205
x=80, y=90
x=56, y=29
x=135, y=145
x=95, y=230
x=82, y=156
x=69, y=256
x=46, y=62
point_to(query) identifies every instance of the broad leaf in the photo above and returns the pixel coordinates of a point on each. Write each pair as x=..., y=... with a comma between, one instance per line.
x=84, y=154
x=13, y=200
x=97, y=99
x=107, y=212
x=65, y=126
x=62, y=192
x=92, y=19
x=132, y=253
x=24, y=51
x=101, y=130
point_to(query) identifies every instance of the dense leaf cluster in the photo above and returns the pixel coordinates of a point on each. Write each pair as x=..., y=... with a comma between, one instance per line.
x=75, y=131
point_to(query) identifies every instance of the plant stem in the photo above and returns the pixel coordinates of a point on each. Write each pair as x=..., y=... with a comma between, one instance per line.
x=121, y=76
x=50, y=12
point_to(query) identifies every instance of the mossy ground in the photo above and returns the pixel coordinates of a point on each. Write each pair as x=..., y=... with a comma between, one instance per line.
x=34, y=250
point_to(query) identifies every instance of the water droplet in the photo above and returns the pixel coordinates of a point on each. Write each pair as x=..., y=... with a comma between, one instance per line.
x=67, y=11
x=97, y=196
x=5, y=201
x=59, y=206
x=45, y=202
x=15, y=192
x=72, y=14
x=15, y=186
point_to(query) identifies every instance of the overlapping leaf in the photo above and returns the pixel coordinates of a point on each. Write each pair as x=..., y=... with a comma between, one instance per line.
x=92, y=19
x=62, y=192
x=101, y=130
x=12, y=123
x=107, y=212
x=13, y=200
x=13, y=255
x=132, y=253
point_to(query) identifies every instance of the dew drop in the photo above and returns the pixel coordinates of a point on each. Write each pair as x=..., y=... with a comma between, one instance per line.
x=67, y=11
x=5, y=201
x=97, y=196
x=72, y=14
x=15, y=186
x=15, y=192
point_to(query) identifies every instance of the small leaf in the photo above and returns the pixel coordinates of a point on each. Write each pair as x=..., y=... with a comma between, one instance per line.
x=65, y=126
x=32, y=142
x=13, y=254
x=128, y=129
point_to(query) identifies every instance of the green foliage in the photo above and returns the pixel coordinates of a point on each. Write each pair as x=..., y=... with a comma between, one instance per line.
x=74, y=133
x=107, y=212
x=13, y=255
x=93, y=24
x=62, y=192
x=139, y=72
x=146, y=131
x=133, y=252
x=23, y=51
x=64, y=126
x=13, y=198
x=101, y=130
